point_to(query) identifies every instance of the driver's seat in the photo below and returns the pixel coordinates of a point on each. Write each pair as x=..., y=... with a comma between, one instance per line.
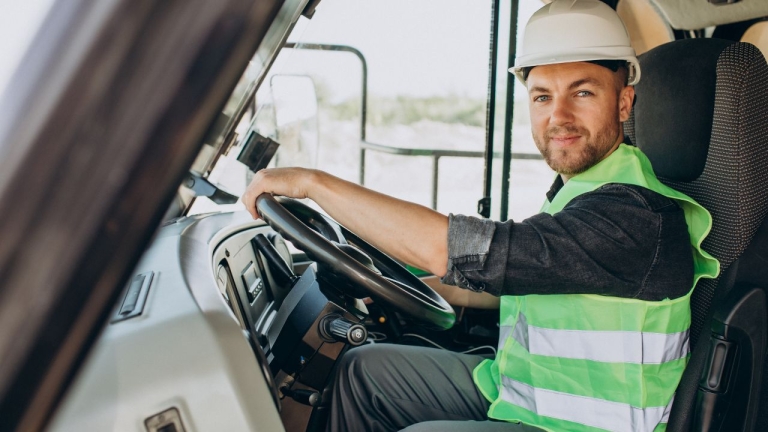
x=701, y=116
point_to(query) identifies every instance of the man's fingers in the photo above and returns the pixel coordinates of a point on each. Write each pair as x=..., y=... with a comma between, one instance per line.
x=252, y=192
x=277, y=181
x=246, y=202
x=251, y=207
x=250, y=204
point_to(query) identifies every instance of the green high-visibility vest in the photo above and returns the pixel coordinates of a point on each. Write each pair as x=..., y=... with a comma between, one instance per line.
x=581, y=362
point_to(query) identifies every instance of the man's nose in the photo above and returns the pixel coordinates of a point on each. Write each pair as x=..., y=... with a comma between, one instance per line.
x=562, y=112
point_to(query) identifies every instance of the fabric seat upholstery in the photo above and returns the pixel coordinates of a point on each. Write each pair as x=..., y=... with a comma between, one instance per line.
x=701, y=116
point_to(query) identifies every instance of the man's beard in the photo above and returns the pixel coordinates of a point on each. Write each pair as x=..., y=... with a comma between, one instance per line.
x=576, y=160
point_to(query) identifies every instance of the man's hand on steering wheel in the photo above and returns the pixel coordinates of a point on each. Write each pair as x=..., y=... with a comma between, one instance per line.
x=363, y=270
x=289, y=182
x=409, y=232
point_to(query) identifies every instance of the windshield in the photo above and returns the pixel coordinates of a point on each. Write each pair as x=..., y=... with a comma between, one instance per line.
x=391, y=95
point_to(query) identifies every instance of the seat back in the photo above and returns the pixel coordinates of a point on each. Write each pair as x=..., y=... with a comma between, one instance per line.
x=701, y=116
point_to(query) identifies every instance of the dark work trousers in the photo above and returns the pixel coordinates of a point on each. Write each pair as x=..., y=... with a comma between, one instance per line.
x=384, y=387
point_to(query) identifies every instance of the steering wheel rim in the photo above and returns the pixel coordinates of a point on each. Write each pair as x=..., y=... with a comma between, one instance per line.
x=404, y=292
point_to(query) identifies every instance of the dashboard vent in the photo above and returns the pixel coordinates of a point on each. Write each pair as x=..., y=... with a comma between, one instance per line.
x=134, y=298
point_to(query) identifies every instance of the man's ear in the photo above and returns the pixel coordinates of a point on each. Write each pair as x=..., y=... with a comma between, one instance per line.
x=626, y=100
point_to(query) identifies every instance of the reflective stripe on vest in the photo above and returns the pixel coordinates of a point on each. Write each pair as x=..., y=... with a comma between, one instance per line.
x=602, y=346
x=587, y=362
x=592, y=412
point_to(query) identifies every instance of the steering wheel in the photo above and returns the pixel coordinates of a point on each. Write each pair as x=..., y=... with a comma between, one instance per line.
x=360, y=269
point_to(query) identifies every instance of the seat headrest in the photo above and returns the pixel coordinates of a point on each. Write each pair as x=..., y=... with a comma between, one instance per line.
x=675, y=103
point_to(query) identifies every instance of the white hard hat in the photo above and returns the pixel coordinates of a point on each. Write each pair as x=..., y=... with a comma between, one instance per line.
x=566, y=31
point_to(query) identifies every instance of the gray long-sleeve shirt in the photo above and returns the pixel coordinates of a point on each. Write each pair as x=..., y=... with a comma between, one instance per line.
x=619, y=240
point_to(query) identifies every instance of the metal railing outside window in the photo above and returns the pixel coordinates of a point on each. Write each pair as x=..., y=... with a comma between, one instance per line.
x=365, y=145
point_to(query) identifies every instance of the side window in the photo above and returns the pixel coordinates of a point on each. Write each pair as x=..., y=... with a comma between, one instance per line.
x=392, y=94
x=399, y=91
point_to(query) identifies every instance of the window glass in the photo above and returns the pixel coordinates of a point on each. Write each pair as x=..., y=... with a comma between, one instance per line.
x=422, y=68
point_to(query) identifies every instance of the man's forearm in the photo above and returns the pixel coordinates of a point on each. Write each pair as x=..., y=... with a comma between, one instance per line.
x=409, y=232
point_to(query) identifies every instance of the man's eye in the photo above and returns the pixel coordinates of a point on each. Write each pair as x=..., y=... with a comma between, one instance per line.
x=583, y=93
x=541, y=98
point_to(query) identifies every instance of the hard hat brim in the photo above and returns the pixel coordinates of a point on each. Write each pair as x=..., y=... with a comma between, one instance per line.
x=615, y=53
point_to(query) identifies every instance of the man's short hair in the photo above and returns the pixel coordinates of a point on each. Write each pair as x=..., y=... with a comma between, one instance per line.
x=613, y=65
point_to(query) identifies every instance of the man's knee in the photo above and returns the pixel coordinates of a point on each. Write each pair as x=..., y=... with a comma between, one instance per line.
x=361, y=362
x=358, y=378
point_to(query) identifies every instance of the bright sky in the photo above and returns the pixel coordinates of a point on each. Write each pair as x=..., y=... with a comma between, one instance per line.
x=413, y=47
x=404, y=40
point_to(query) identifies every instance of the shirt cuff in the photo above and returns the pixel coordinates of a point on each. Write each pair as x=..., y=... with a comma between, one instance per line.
x=469, y=240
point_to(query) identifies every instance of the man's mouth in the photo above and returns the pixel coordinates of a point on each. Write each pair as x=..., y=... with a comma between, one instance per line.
x=565, y=140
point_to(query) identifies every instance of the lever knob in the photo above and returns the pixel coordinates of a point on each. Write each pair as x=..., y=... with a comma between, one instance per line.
x=336, y=328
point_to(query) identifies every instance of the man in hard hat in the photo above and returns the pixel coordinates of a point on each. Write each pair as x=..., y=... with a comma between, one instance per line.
x=594, y=310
